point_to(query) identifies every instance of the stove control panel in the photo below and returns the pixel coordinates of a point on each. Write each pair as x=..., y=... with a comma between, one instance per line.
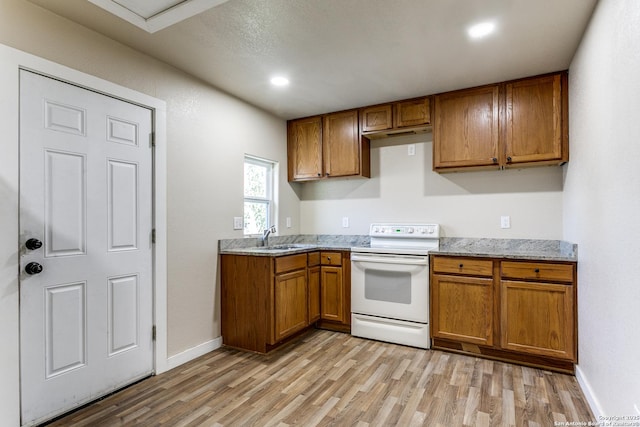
x=413, y=231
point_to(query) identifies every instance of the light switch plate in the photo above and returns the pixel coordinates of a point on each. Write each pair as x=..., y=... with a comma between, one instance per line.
x=505, y=221
x=345, y=222
x=411, y=149
x=237, y=223
x=288, y=220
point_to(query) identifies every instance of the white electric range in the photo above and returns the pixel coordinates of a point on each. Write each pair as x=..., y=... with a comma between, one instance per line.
x=390, y=283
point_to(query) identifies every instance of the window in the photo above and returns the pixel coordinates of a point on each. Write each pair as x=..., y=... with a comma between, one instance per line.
x=258, y=195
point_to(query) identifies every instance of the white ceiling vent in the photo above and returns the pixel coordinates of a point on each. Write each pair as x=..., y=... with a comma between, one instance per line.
x=155, y=15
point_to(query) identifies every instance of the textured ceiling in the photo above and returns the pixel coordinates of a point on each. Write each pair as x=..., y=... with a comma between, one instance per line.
x=341, y=54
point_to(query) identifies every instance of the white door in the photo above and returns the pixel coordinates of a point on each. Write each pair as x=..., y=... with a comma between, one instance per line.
x=85, y=194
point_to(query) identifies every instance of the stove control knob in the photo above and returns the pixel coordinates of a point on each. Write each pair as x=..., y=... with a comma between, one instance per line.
x=410, y=230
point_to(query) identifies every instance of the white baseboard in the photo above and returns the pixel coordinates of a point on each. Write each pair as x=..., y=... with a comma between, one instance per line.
x=588, y=393
x=192, y=353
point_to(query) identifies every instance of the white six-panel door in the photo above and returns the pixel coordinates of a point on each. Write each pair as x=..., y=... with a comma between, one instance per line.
x=86, y=195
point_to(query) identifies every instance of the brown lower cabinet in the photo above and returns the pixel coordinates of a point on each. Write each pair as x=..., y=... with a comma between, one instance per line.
x=290, y=303
x=514, y=310
x=335, y=291
x=313, y=275
x=265, y=301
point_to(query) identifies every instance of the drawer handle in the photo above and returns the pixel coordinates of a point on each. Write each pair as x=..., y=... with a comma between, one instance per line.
x=537, y=270
x=461, y=265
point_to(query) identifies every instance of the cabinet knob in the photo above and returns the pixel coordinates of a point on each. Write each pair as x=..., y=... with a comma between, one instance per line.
x=461, y=265
x=329, y=258
x=328, y=174
x=495, y=160
x=319, y=174
x=537, y=270
x=509, y=159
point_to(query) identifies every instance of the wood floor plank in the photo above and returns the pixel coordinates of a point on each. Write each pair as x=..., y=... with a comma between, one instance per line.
x=332, y=379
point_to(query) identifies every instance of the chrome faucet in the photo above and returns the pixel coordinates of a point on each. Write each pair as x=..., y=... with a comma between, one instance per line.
x=265, y=234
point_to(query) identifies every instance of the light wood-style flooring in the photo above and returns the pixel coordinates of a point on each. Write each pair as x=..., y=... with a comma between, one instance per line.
x=329, y=378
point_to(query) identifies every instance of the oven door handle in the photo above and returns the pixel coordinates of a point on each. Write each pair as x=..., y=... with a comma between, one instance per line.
x=391, y=259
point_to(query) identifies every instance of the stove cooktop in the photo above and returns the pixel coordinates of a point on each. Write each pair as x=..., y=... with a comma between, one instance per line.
x=394, y=238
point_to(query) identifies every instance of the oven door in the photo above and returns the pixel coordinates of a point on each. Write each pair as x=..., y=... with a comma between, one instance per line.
x=391, y=286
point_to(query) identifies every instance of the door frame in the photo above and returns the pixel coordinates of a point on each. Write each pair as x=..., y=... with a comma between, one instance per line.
x=11, y=61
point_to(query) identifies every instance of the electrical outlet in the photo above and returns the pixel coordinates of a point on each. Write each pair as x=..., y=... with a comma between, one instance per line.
x=237, y=223
x=345, y=222
x=505, y=221
x=288, y=220
x=411, y=149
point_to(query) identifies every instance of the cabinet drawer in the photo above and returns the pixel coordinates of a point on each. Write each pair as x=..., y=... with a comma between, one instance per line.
x=537, y=271
x=290, y=263
x=331, y=258
x=468, y=266
x=313, y=259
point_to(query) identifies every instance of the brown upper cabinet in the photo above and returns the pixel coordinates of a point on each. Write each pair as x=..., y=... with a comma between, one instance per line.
x=327, y=146
x=536, y=120
x=380, y=121
x=465, y=131
x=377, y=118
x=304, y=149
x=414, y=112
x=512, y=124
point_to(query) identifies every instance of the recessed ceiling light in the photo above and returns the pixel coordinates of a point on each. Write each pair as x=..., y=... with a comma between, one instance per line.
x=279, y=81
x=481, y=30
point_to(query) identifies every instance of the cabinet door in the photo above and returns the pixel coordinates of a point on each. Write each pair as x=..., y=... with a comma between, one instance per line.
x=462, y=309
x=290, y=304
x=465, y=128
x=414, y=112
x=332, y=294
x=538, y=318
x=376, y=118
x=304, y=149
x=314, y=294
x=534, y=120
x=341, y=144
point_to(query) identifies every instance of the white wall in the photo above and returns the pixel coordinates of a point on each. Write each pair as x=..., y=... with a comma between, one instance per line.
x=602, y=205
x=208, y=133
x=466, y=204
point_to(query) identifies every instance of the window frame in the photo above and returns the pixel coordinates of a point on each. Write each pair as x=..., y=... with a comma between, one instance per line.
x=269, y=199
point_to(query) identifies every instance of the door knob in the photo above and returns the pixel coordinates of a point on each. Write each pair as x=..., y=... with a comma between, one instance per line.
x=33, y=268
x=33, y=244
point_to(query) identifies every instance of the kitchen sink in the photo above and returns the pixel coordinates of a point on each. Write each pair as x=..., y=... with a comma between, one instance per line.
x=289, y=246
x=278, y=248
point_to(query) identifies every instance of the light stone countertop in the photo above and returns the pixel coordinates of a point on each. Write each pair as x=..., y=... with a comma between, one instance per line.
x=527, y=249
x=289, y=245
